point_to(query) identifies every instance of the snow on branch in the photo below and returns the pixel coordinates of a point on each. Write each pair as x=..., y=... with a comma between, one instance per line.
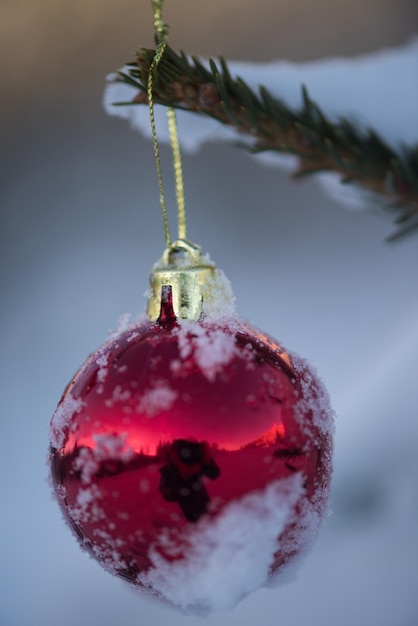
x=365, y=130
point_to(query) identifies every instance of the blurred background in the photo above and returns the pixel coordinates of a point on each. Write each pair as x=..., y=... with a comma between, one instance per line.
x=81, y=228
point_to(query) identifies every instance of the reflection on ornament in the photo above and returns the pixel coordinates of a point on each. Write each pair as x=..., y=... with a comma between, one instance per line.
x=193, y=458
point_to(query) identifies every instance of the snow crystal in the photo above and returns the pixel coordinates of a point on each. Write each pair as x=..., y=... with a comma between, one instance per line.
x=61, y=419
x=101, y=374
x=124, y=324
x=118, y=396
x=213, y=351
x=102, y=360
x=132, y=336
x=218, y=299
x=212, y=348
x=315, y=397
x=86, y=508
x=61, y=492
x=86, y=464
x=230, y=555
x=158, y=398
x=108, y=553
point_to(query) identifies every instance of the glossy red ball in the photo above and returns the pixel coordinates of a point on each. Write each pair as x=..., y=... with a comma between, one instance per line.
x=178, y=440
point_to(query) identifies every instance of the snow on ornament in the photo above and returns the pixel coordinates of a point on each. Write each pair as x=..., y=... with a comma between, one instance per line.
x=191, y=454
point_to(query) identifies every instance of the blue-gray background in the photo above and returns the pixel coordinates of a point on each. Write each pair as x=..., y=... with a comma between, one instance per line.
x=80, y=230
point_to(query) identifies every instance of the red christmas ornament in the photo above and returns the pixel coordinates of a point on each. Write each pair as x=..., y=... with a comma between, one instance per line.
x=191, y=457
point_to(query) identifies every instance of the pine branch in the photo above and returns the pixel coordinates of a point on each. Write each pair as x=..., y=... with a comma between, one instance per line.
x=362, y=158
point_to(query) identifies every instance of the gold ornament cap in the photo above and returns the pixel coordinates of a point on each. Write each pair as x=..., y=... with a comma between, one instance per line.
x=189, y=274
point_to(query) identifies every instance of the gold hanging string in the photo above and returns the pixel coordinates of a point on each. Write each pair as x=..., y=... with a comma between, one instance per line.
x=160, y=27
x=157, y=58
x=178, y=173
x=161, y=30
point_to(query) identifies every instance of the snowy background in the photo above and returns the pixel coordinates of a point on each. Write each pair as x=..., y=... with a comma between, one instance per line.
x=80, y=230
